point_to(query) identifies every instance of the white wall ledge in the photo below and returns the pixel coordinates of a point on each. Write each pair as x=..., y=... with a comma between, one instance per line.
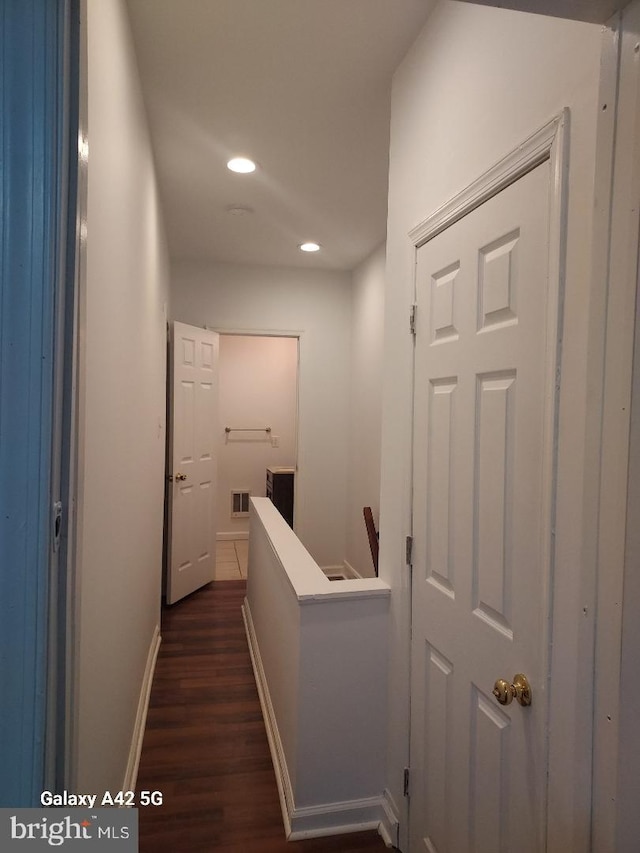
x=322, y=678
x=308, y=582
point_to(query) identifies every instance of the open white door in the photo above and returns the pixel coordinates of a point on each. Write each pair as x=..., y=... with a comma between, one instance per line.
x=192, y=460
x=483, y=502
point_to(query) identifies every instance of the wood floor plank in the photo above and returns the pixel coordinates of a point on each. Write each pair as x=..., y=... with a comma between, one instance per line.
x=205, y=746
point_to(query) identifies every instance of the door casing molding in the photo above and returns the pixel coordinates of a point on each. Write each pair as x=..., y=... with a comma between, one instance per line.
x=616, y=742
x=547, y=143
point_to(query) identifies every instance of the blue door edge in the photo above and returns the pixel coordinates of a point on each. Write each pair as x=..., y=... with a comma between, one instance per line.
x=38, y=84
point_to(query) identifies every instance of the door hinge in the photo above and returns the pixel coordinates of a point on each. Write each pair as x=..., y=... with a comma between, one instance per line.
x=412, y=319
x=56, y=525
x=408, y=550
x=405, y=786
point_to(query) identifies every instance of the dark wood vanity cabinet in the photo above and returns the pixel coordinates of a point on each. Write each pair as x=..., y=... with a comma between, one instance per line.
x=280, y=490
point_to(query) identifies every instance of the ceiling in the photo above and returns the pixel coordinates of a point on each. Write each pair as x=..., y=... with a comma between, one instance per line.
x=300, y=86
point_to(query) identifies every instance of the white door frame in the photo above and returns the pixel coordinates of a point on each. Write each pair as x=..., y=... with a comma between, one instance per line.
x=75, y=528
x=615, y=818
x=572, y=602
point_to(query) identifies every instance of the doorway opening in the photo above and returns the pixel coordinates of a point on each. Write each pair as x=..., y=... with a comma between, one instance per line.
x=257, y=437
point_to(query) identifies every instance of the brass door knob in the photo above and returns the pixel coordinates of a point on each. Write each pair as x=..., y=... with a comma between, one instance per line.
x=520, y=690
x=181, y=477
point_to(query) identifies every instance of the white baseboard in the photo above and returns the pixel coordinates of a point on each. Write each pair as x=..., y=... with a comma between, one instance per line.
x=131, y=774
x=336, y=818
x=345, y=569
x=234, y=534
x=350, y=572
x=285, y=791
x=390, y=824
x=335, y=570
x=313, y=821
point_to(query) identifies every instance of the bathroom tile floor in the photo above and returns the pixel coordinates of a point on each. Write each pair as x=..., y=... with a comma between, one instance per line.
x=231, y=560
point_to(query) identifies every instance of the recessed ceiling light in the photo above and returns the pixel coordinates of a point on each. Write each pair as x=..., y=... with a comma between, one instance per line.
x=242, y=165
x=309, y=247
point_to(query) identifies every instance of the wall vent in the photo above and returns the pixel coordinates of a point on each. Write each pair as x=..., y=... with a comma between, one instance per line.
x=239, y=504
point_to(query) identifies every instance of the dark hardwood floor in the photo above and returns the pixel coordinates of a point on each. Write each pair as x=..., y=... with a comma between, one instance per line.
x=205, y=746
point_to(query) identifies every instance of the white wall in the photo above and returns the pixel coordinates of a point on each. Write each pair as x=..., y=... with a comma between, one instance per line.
x=476, y=83
x=123, y=407
x=258, y=387
x=317, y=304
x=363, y=488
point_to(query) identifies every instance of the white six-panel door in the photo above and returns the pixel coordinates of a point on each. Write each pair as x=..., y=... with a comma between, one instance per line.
x=194, y=402
x=483, y=483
